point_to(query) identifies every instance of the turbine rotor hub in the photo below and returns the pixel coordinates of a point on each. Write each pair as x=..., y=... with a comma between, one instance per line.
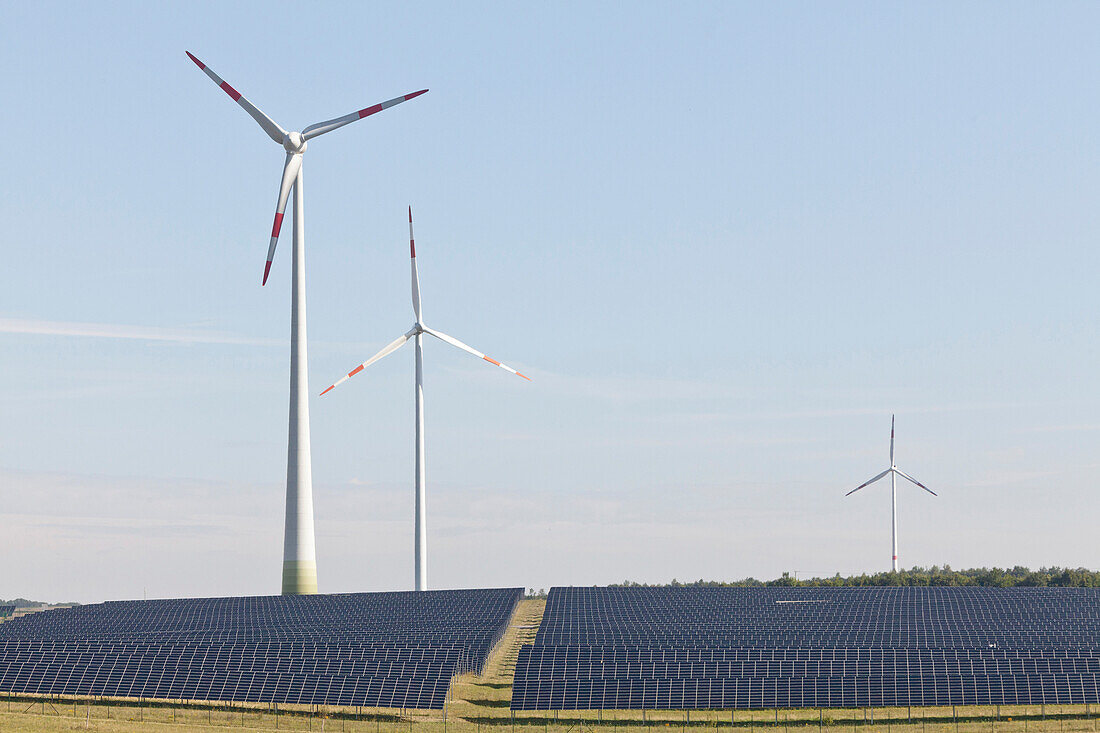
x=293, y=143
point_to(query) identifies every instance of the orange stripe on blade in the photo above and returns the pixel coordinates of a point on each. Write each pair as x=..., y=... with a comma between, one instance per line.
x=491, y=361
x=355, y=371
x=328, y=390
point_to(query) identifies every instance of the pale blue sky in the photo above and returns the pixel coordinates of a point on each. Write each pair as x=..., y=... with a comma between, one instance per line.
x=726, y=241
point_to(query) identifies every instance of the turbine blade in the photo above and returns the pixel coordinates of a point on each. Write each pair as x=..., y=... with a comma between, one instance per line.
x=415, y=277
x=329, y=125
x=907, y=477
x=891, y=440
x=290, y=174
x=868, y=483
x=386, y=351
x=272, y=128
x=455, y=342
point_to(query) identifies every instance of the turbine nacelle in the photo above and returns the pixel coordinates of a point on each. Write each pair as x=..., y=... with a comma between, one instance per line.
x=293, y=143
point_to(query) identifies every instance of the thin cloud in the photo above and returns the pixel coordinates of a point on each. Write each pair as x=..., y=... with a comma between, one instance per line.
x=37, y=327
x=1078, y=428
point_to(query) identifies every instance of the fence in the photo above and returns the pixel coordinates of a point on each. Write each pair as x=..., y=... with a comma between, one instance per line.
x=69, y=714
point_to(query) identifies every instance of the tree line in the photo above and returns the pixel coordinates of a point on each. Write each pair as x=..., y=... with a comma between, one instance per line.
x=984, y=577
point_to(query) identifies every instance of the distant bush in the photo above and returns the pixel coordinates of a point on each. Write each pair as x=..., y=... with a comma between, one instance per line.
x=24, y=603
x=984, y=577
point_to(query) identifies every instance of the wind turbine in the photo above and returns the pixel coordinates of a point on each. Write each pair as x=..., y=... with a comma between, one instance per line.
x=299, y=555
x=417, y=332
x=894, y=471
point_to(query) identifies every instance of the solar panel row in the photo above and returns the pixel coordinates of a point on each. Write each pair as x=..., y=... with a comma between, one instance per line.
x=804, y=638
x=83, y=664
x=237, y=650
x=728, y=670
x=627, y=655
x=237, y=686
x=798, y=692
x=364, y=649
x=811, y=647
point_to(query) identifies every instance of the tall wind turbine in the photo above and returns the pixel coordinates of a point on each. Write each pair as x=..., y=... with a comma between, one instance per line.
x=299, y=555
x=417, y=332
x=894, y=471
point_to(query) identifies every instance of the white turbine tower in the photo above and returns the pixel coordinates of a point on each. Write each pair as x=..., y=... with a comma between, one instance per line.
x=894, y=471
x=299, y=555
x=417, y=331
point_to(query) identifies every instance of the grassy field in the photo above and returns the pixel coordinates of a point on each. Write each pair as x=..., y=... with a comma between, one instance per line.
x=482, y=702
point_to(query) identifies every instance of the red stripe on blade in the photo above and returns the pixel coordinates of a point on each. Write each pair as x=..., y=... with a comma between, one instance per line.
x=412, y=248
x=355, y=371
x=231, y=91
x=369, y=111
x=267, y=269
x=200, y=64
x=277, y=226
x=328, y=390
x=415, y=94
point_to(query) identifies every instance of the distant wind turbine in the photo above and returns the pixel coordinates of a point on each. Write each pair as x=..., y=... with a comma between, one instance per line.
x=299, y=554
x=417, y=331
x=893, y=471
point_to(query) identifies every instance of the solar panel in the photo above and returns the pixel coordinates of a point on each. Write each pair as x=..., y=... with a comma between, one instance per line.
x=753, y=648
x=365, y=649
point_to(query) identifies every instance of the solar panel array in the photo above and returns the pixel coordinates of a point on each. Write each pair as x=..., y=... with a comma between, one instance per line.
x=754, y=648
x=397, y=650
